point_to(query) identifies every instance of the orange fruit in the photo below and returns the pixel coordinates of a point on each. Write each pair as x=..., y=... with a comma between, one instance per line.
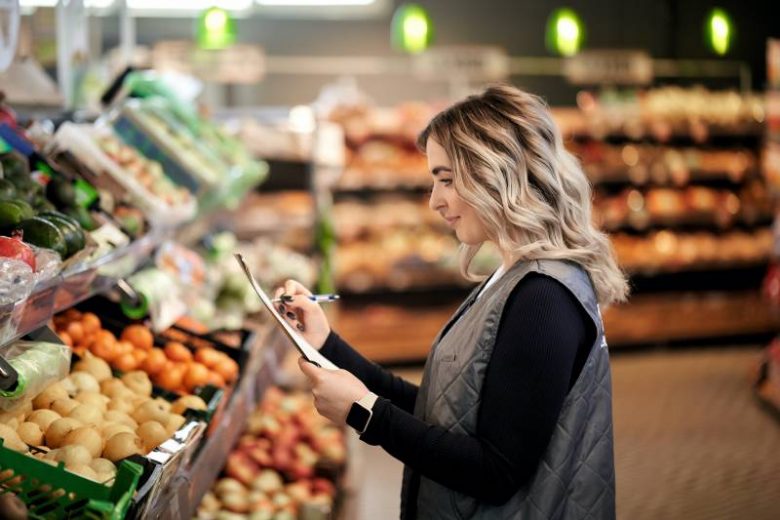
x=171, y=376
x=177, y=352
x=124, y=347
x=215, y=379
x=228, y=369
x=207, y=356
x=65, y=338
x=103, y=345
x=90, y=322
x=139, y=336
x=140, y=355
x=196, y=375
x=76, y=332
x=125, y=362
x=154, y=362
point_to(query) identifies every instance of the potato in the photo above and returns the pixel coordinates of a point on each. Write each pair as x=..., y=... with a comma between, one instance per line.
x=138, y=381
x=59, y=429
x=122, y=445
x=112, y=386
x=175, y=422
x=165, y=405
x=121, y=405
x=87, y=414
x=119, y=417
x=12, y=423
x=111, y=429
x=43, y=418
x=72, y=456
x=103, y=466
x=152, y=435
x=151, y=410
x=11, y=439
x=85, y=382
x=88, y=437
x=188, y=401
x=95, y=366
x=30, y=433
x=52, y=392
x=64, y=406
x=85, y=471
x=95, y=399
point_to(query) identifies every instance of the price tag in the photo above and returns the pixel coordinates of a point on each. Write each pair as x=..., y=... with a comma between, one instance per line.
x=615, y=67
x=472, y=62
x=9, y=31
x=239, y=63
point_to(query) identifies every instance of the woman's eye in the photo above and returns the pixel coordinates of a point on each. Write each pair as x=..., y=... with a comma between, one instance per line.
x=446, y=182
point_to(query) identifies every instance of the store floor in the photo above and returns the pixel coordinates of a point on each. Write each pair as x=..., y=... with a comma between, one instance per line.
x=691, y=442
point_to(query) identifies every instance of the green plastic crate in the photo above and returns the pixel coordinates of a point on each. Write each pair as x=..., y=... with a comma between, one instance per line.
x=53, y=493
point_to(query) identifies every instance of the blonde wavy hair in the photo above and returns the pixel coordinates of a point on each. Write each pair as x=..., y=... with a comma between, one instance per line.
x=509, y=163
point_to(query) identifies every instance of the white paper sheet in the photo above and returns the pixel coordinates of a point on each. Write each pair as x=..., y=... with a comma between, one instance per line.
x=307, y=351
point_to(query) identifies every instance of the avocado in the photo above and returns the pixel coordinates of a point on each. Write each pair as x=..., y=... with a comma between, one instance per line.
x=61, y=192
x=70, y=229
x=42, y=233
x=24, y=207
x=82, y=216
x=11, y=214
x=7, y=190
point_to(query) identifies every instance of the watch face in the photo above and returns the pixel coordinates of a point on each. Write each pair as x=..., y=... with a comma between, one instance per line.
x=358, y=417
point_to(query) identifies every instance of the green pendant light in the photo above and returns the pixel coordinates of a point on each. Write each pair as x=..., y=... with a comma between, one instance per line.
x=216, y=29
x=411, y=29
x=719, y=31
x=565, y=32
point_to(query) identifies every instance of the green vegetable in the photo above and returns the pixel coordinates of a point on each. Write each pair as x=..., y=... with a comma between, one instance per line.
x=42, y=233
x=70, y=229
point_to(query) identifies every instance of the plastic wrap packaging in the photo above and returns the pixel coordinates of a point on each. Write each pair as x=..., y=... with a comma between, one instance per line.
x=38, y=364
x=16, y=280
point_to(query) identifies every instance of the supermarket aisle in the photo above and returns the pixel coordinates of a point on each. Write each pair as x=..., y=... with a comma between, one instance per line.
x=690, y=442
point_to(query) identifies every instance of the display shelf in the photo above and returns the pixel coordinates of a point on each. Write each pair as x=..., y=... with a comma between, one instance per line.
x=710, y=316
x=712, y=139
x=67, y=289
x=692, y=223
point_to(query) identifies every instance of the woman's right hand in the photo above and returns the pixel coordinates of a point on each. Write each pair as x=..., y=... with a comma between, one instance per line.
x=306, y=316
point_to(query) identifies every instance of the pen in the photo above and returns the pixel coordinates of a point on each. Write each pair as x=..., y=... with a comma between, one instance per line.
x=318, y=298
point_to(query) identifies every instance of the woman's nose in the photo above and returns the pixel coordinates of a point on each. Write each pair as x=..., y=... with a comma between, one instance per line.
x=435, y=201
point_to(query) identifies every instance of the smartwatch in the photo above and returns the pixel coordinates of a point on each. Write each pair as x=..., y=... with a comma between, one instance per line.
x=361, y=412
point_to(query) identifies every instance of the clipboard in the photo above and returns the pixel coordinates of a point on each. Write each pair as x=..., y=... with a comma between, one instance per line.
x=309, y=353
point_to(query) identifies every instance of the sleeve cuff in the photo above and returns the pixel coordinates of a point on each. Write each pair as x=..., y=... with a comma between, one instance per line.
x=374, y=431
x=331, y=345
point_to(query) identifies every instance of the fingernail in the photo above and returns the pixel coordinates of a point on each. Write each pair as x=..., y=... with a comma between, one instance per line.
x=299, y=326
x=291, y=315
x=281, y=308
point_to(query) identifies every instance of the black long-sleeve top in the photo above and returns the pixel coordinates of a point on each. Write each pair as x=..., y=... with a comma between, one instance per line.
x=543, y=340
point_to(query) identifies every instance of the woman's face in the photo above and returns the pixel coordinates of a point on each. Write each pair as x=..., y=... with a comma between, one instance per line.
x=445, y=200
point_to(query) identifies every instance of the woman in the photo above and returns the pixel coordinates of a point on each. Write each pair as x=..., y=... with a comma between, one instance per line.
x=513, y=417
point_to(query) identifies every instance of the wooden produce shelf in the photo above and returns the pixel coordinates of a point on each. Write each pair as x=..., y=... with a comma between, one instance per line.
x=403, y=335
x=679, y=317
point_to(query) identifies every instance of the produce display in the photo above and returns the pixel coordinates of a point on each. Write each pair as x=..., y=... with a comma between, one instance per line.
x=281, y=463
x=91, y=420
x=147, y=172
x=693, y=205
x=666, y=113
x=27, y=210
x=172, y=366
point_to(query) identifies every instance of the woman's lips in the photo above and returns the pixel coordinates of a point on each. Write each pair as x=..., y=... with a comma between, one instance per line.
x=451, y=221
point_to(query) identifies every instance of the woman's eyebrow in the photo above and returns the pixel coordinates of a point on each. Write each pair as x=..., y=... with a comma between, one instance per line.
x=440, y=169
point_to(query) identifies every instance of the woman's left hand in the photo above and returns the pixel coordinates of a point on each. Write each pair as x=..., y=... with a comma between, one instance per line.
x=334, y=390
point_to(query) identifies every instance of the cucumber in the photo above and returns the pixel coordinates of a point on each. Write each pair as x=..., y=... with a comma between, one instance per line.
x=71, y=230
x=42, y=233
x=7, y=190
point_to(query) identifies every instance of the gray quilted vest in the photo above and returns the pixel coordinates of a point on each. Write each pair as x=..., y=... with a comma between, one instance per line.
x=576, y=476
